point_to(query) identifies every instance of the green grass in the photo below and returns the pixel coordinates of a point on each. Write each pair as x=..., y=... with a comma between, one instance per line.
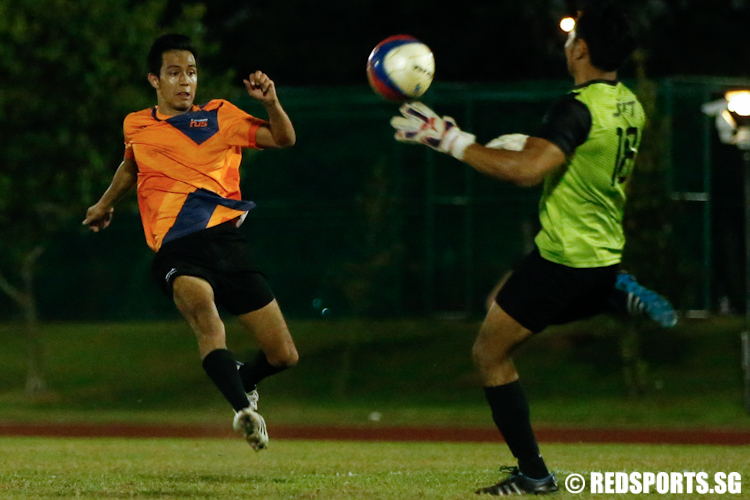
x=38, y=468
x=414, y=372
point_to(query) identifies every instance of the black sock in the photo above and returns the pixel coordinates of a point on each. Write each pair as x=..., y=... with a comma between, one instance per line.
x=221, y=368
x=256, y=370
x=510, y=412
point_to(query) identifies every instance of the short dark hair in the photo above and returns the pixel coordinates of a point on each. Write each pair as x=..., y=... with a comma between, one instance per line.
x=165, y=43
x=608, y=32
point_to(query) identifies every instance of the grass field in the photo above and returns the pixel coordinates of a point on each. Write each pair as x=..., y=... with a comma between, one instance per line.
x=183, y=469
x=412, y=371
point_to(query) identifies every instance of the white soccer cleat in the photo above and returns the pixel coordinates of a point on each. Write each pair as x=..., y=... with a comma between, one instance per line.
x=252, y=426
x=253, y=397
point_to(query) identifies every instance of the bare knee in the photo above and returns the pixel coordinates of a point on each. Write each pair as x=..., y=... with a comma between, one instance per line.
x=291, y=358
x=487, y=357
x=495, y=367
x=270, y=330
x=498, y=337
x=283, y=357
x=477, y=355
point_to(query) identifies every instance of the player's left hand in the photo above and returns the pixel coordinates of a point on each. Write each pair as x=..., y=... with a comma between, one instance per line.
x=259, y=86
x=419, y=124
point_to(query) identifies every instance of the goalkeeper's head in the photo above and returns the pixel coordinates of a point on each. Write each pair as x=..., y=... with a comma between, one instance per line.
x=608, y=33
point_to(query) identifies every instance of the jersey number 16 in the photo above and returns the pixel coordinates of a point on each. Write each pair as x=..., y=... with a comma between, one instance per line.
x=627, y=148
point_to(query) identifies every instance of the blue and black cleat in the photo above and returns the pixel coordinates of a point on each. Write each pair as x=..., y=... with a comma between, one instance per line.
x=518, y=484
x=641, y=300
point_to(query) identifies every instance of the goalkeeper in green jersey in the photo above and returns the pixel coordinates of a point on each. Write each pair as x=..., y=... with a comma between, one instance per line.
x=584, y=153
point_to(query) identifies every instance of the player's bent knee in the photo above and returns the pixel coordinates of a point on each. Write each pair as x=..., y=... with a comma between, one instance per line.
x=486, y=358
x=283, y=358
x=292, y=359
x=477, y=355
x=479, y=358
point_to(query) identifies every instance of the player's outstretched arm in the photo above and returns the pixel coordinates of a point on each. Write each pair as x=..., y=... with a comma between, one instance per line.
x=527, y=167
x=522, y=162
x=280, y=131
x=99, y=216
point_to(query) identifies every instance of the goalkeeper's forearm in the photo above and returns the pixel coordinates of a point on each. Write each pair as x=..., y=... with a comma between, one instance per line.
x=523, y=168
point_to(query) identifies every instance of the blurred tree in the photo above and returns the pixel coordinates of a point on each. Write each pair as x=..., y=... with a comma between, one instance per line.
x=71, y=71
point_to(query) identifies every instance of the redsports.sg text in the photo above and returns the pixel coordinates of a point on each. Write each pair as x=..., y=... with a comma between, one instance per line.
x=657, y=482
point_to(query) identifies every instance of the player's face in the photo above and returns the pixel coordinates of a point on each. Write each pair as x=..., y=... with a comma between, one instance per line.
x=177, y=82
x=569, y=47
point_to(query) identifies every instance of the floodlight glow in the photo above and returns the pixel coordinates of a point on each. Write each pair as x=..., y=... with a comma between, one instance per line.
x=567, y=24
x=727, y=116
x=738, y=102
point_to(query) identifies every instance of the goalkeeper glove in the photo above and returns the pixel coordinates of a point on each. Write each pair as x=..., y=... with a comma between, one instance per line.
x=420, y=125
x=511, y=142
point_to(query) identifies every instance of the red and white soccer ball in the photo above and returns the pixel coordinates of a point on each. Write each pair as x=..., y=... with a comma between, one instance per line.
x=400, y=68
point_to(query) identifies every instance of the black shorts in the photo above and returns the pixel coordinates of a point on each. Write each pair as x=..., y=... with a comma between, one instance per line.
x=540, y=293
x=221, y=256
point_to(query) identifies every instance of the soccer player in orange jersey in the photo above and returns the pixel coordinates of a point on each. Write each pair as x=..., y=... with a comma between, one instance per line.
x=185, y=162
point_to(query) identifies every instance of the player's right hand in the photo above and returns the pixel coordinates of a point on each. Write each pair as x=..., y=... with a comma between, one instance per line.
x=421, y=125
x=98, y=218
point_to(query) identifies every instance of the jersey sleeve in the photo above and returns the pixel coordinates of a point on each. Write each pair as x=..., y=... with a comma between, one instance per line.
x=238, y=127
x=126, y=133
x=566, y=124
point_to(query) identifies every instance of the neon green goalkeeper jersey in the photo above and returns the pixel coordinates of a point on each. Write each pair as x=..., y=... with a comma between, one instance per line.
x=599, y=127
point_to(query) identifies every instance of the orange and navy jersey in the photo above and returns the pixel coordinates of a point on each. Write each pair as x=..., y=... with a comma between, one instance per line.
x=188, y=167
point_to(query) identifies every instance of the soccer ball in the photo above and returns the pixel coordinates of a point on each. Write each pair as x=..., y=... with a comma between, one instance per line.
x=400, y=68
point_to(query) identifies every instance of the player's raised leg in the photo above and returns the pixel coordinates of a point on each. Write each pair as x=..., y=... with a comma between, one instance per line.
x=277, y=353
x=499, y=335
x=277, y=349
x=194, y=298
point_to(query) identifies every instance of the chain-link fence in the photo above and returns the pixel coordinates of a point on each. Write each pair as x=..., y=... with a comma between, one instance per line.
x=349, y=222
